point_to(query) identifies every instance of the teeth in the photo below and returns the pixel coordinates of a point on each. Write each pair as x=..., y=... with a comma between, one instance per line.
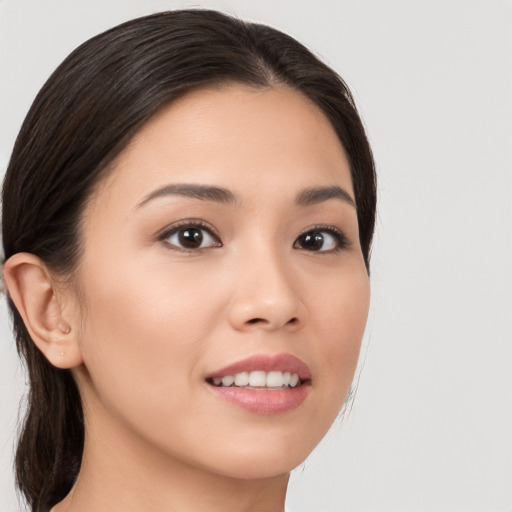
x=227, y=380
x=259, y=379
x=242, y=379
x=274, y=380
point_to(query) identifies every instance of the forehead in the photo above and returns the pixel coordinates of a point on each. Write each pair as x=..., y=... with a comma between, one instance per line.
x=249, y=140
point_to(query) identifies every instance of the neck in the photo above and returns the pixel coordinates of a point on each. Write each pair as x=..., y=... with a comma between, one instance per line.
x=119, y=473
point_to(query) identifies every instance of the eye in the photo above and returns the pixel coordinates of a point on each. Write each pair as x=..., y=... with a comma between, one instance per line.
x=321, y=240
x=191, y=236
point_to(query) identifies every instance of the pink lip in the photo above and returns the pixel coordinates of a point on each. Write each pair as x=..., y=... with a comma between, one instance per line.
x=267, y=363
x=264, y=401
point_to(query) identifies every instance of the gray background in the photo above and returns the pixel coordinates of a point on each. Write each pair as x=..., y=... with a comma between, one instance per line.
x=431, y=426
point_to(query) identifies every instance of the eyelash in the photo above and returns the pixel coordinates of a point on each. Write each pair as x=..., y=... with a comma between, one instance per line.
x=341, y=240
x=190, y=224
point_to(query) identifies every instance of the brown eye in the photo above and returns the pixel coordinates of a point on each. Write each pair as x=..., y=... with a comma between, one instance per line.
x=312, y=241
x=191, y=237
x=320, y=240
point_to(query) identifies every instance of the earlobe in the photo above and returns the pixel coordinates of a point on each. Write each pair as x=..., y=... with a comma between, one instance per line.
x=31, y=289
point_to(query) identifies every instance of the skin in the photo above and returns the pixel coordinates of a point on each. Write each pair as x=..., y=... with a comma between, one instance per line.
x=151, y=321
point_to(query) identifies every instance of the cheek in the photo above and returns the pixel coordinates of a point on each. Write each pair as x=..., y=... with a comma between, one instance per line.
x=340, y=320
x=143, y=334
x=144, y=308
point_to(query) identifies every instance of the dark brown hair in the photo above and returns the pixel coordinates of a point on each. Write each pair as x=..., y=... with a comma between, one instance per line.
x=82, y=118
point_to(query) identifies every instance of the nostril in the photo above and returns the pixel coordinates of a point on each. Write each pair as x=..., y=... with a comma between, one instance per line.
x=292, y=321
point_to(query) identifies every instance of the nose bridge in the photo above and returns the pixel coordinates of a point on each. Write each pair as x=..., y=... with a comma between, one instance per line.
x=266, y=294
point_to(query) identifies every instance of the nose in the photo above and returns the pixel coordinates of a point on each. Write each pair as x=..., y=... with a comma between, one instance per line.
x=266, y=295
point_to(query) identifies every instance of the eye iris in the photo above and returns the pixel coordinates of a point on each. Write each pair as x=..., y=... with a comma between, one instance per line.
x=314, y=240
x=190, y=238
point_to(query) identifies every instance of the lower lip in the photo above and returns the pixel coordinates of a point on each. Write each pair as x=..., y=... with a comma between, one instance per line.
x=264, y=401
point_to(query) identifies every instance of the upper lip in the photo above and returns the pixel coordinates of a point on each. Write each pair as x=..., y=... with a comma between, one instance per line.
x=267, y=363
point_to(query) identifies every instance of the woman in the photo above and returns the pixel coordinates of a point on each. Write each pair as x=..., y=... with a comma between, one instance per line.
x=187, y=222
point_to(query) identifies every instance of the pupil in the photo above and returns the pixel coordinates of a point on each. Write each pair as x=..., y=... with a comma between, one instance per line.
x=190, y=238
x=312, y=240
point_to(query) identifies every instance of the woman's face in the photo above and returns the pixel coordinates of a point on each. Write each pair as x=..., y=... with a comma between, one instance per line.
x=225, y=235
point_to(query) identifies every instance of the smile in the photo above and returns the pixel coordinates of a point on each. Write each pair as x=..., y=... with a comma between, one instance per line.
x=263, y=384
x=259, y=380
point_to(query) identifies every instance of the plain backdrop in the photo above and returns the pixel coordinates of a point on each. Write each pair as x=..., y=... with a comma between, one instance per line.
x=431, y=426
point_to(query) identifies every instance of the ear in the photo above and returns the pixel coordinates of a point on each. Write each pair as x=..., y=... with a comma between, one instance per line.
x=33, y=293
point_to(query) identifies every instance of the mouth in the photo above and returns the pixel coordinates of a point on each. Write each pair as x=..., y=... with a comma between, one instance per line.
x=263, y=384
x=258, y=380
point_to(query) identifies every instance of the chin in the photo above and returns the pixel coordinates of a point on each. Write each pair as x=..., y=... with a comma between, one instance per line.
x=261, y=468
x=264, y=458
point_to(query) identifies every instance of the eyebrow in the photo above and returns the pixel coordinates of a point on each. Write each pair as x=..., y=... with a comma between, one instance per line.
x=202, y=192
x=316, y=195
x=307, y=197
